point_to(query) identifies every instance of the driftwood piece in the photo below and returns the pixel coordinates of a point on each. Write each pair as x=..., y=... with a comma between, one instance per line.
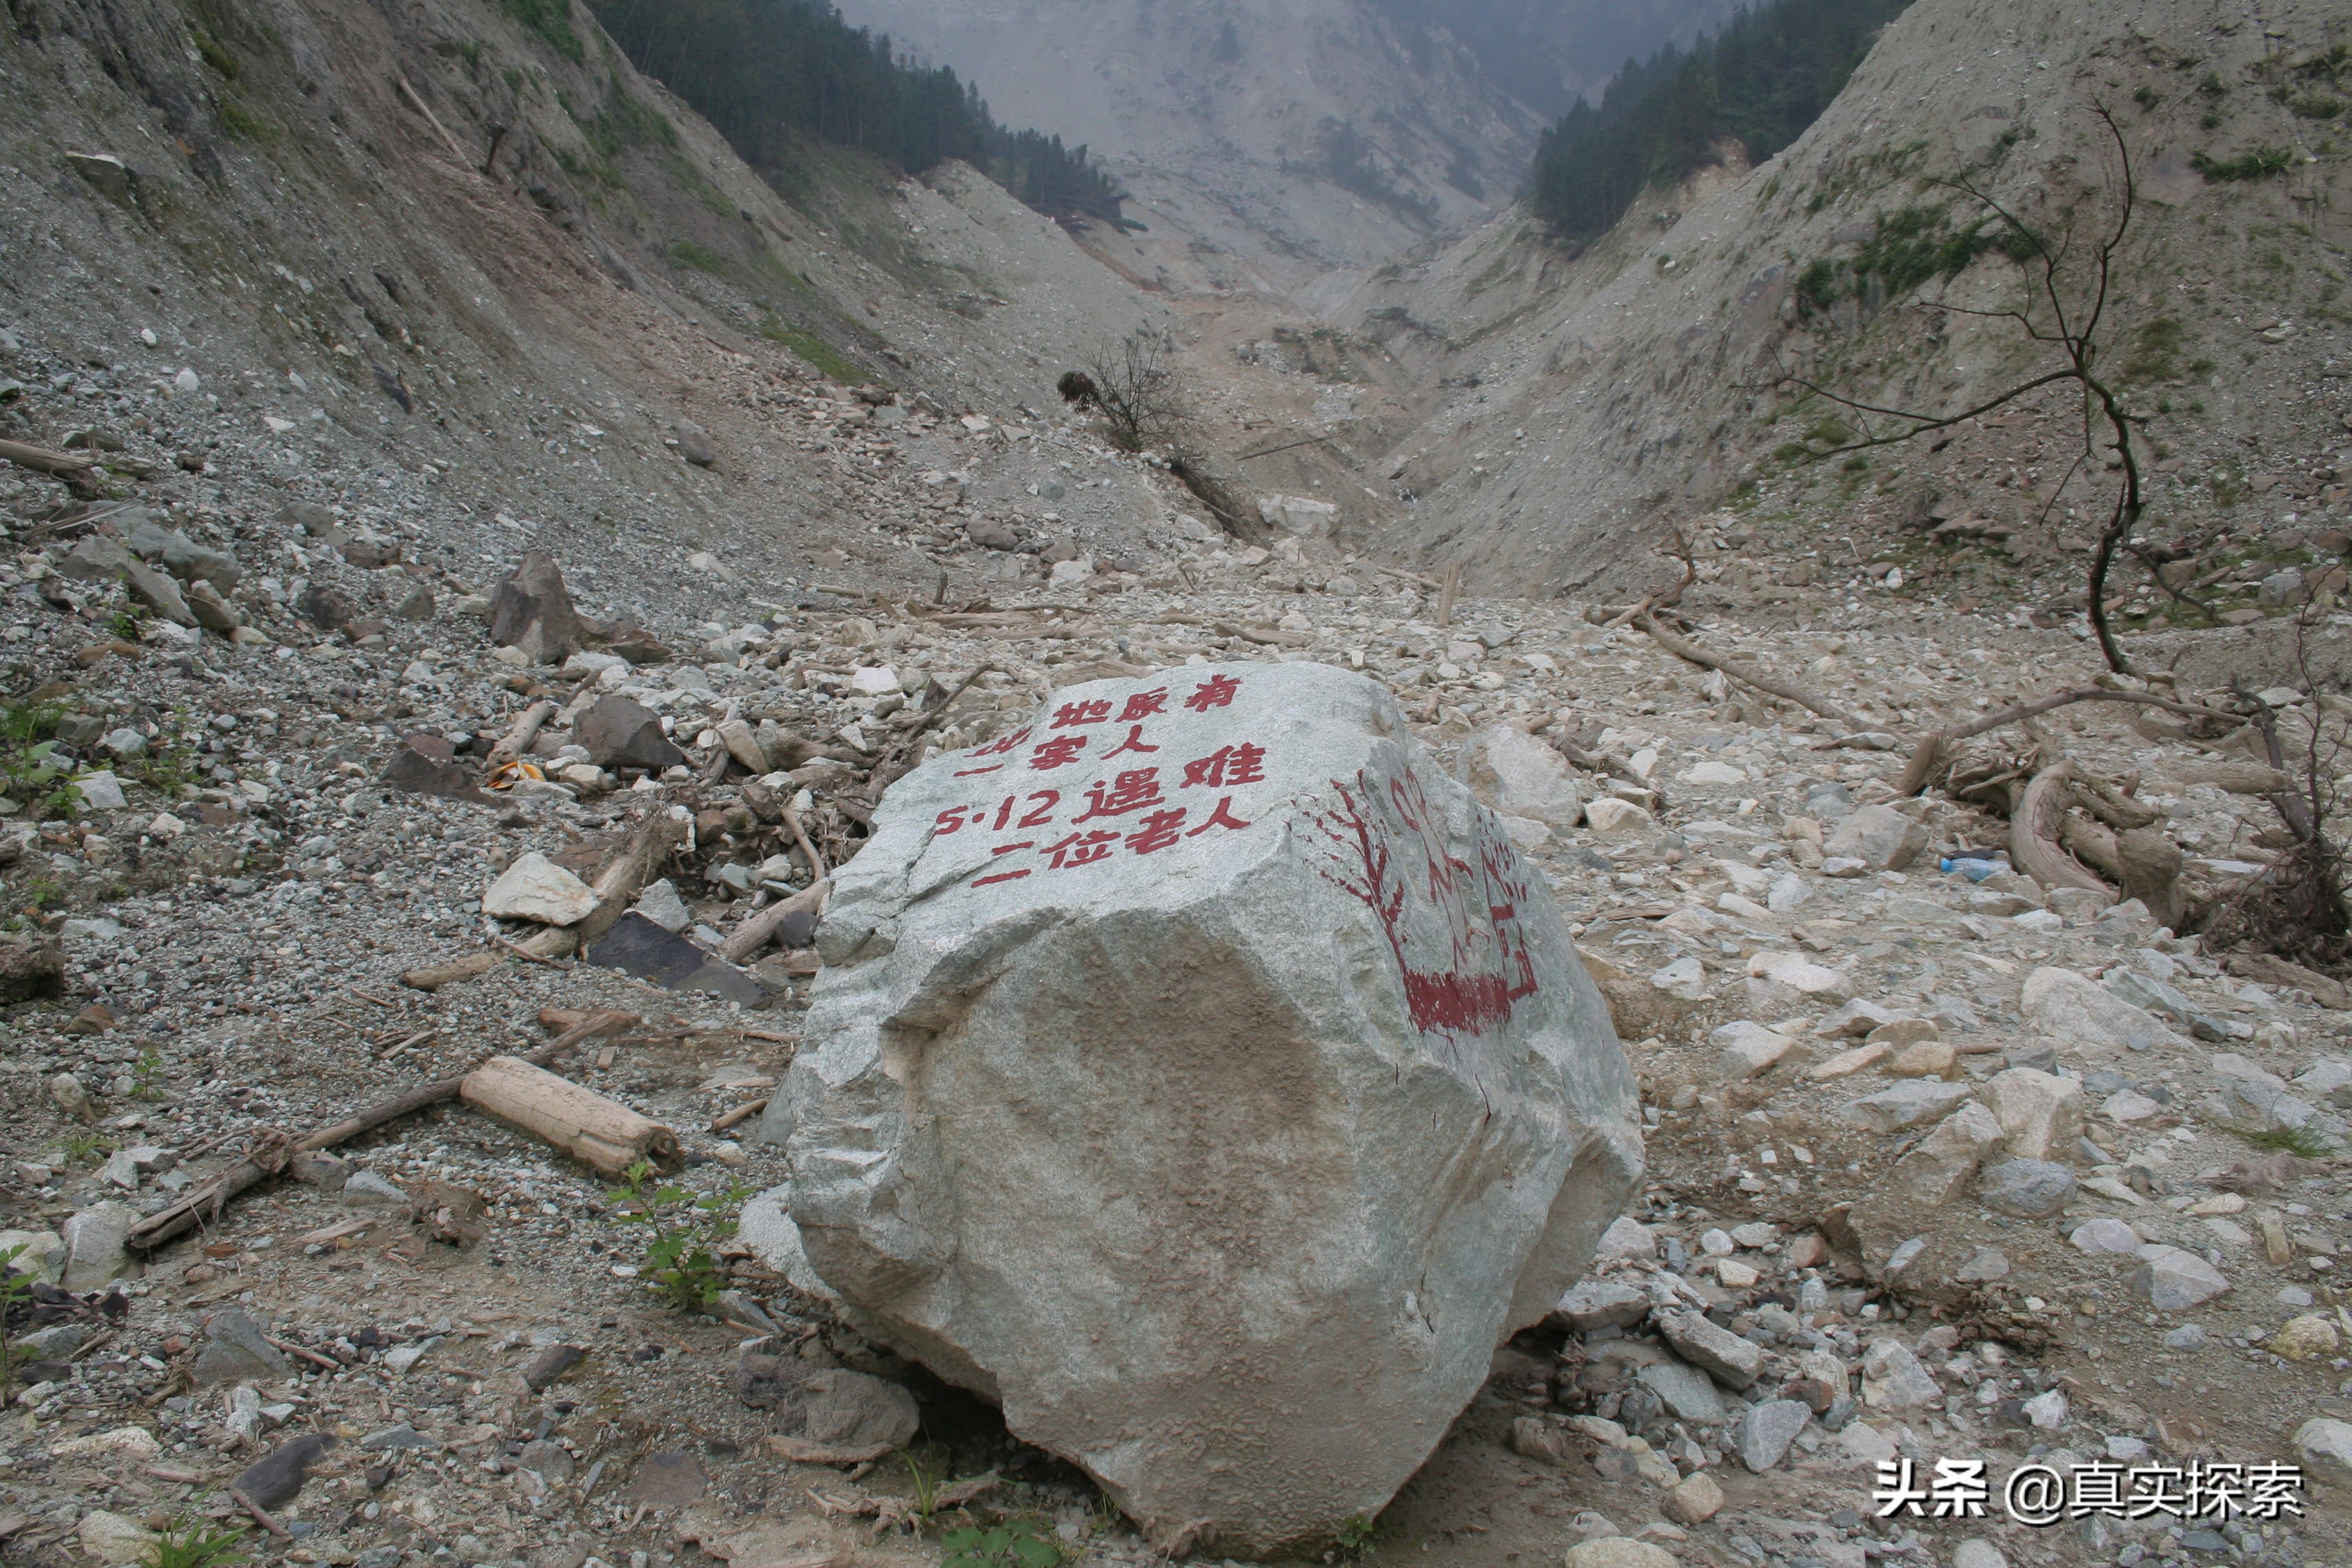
x=433, y=976
x=1932, y=751
x=518, y=739
x=206, y=1202
x=465, y=160
x=817, y=873
x=2272, y=970
x=625, y=876
x=762, y=928
x=1696, y=655
x=2033, y=834
x=2233, y=777
x=45, y=459
x=595, y=1131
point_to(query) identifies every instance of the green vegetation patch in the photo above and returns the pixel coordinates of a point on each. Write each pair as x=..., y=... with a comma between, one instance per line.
x=1912, y=247
x=1761, y=81
x=2257, y=164
x=550, y=22
x=828, y=359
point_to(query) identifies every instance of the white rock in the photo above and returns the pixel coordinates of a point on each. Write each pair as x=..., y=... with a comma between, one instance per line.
x=1746, y=1048
x=43, y=1253
x=1935, y=1171
x=1880, y=836
x=536, y=889
x=111, y=1538
x=1907, y=1104
x=2324, y=1444
x=661, y=904
x=1893, y=1378
x=874, y=681
x=1978, y=1552
x=2041, y=1113
x=2176, y=1282
x=1520, y=776
x=1610, y=817
x=1788, y=891
x=1627, y=1239
x=1712, y=775
x=1684, y=979
x=2047, y=1410
x=100, y=791
x=1302, y=515
x=1206, y=1104
x=2080, y=1014
x=1800, y=975
x=2105, y=1234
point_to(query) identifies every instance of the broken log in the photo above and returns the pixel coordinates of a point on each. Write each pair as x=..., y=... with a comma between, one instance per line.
x=597, y=1131
x=625, y=876
x=2033, y=834
x=206, y=1202
x=762, y=928
x=45, y=459
x=518, y=739
x=1930, y=751
x=2233, y=777
x=434, y=977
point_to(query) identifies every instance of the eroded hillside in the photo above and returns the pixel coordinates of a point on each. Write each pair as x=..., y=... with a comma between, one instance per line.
x=1578, y=405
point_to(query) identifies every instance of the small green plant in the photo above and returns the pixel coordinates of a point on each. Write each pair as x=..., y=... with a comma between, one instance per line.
x=204, y=1545
x=15, y=1289
x=701, y=259
x=811, y=348
x=2300, y=1141
x=87, y=1146
x=680, y=1264
x=2259, y=163
x=923, y=1490
x=147, y=1074
x=1016, y=1544
x=169, y=771
x=30, y=770
x=1355, y=1535
x=2147, y=98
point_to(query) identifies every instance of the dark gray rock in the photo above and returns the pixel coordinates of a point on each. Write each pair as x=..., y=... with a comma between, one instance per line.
x=1762, y=1434
x=234, y=1352
x=531, y=610
x=427, y=764
x=636, y=945
x=550, y=1365
x=2029, y=1189
x=619, y=733
x=277, y=1480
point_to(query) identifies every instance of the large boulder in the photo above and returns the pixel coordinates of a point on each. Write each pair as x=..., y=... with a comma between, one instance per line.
x=1198, y=1072
x=531, y=611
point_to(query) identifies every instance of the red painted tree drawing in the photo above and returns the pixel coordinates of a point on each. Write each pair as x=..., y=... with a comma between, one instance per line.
x=1490, y=966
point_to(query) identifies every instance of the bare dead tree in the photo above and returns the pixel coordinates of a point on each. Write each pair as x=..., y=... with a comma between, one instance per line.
x=1133, y=388
x=2066, y=311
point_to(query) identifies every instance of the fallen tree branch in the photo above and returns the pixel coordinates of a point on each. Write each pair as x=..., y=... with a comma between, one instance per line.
x=1692, y=653
x=625, y=876
x=1930, y=752
x=207, y=1201
x=518, y=739
x=762, y=928
x=2035, y=830
x=457, y=152
x=45, y=459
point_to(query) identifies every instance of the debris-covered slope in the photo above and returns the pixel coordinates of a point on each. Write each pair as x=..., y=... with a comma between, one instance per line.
x=437, y=248
x=1585, y=402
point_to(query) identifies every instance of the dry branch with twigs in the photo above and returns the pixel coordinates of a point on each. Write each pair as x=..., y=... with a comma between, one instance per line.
x=2066, y=311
